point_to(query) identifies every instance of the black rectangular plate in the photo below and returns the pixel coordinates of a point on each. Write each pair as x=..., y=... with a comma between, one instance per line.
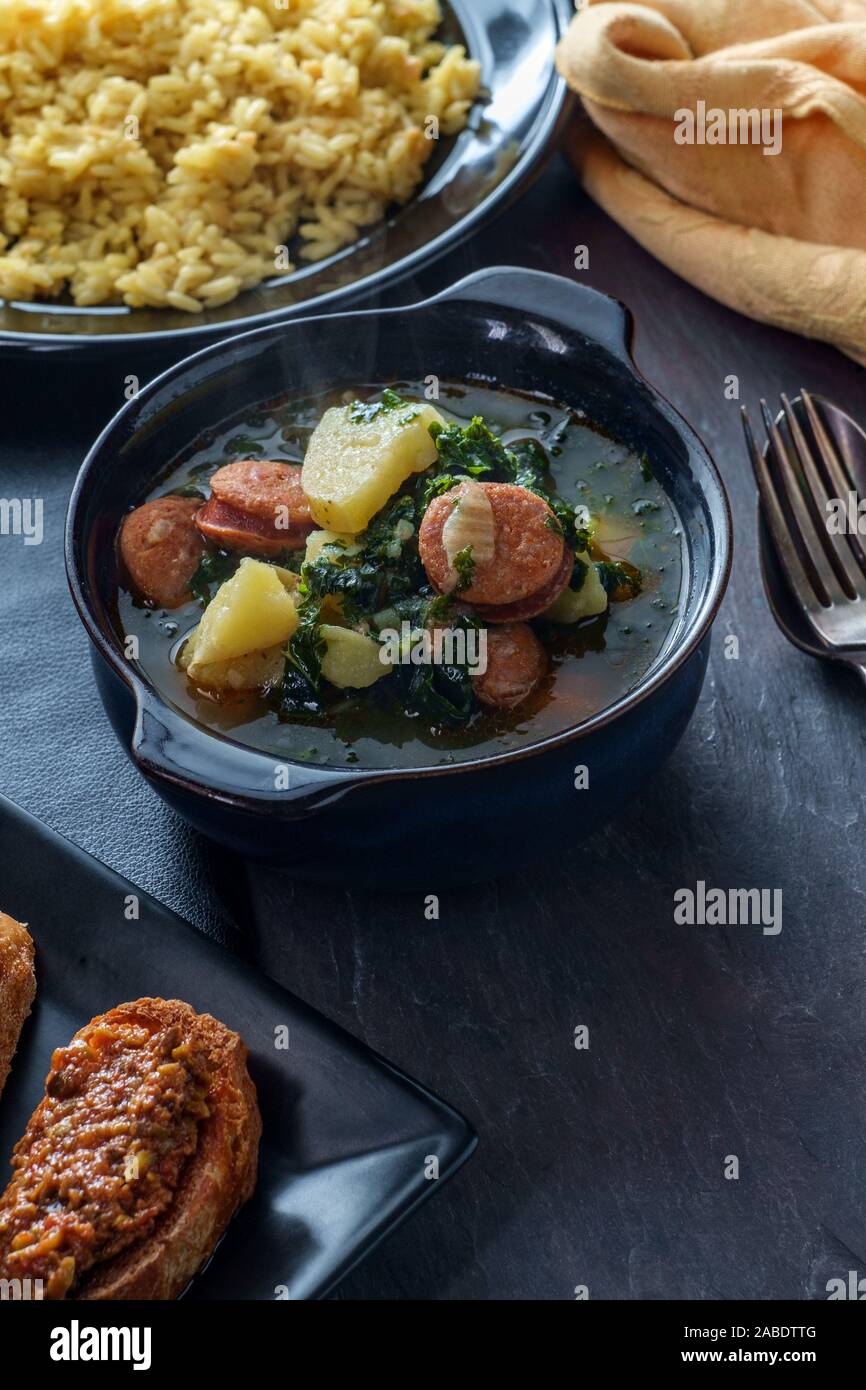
x=347, y=1137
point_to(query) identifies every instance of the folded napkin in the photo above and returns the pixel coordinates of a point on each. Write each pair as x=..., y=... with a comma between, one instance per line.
x=773, y=221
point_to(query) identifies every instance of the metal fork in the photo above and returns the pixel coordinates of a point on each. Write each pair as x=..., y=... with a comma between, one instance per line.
x=797, y=480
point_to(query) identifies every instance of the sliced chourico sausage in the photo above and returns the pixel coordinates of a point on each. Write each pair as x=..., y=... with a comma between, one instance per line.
x=524, y=553
x=533, y=604
x=258, y=506
x=161, y=549
x=516, y=662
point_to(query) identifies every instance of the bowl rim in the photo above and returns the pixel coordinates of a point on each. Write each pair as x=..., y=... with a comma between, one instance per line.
x=552, y=111
x=323, y=776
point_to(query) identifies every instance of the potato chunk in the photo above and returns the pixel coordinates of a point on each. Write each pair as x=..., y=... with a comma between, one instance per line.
x=352, y=661
x=254, y=671
x=250, y=612
x=353, y=466
x=317, y=540
x=586, y=602
x=287, y=578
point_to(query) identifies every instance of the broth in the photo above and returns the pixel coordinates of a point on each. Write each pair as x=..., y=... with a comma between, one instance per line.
x=593, y=663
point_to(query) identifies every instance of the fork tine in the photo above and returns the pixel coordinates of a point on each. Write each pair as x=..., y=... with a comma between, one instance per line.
x=839, y=476
x=842, y=550
x=805, y=524
x=785, y=548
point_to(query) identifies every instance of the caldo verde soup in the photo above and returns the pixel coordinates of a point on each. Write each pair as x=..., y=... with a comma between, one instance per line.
x=441, y=579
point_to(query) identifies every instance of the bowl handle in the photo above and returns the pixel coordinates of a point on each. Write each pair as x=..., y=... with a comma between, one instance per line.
x=597, y=316
x=172, y=748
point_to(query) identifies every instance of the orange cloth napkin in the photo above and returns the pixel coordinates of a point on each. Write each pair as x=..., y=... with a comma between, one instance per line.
x=781, y=237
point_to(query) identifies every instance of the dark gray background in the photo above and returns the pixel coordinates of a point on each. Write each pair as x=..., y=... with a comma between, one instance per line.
x=601, y=1167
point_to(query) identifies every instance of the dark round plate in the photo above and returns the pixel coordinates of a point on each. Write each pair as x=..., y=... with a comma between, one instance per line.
x=511, y=127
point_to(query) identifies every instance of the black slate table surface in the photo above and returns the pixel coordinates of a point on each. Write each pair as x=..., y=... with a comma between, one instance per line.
x=601, y=1167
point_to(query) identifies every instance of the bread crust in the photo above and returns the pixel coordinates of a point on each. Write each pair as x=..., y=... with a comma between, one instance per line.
x=17, y=988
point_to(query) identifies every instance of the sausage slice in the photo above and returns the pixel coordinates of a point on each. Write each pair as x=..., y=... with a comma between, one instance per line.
x=533, y=604
x=516, y=662
x=161, y=549
x=258, y=506
x=528, y=545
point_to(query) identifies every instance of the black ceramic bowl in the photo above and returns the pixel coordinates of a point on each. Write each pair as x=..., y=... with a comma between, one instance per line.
x=522, y=329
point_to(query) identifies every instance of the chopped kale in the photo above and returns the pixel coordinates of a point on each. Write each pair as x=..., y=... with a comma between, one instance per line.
x=416, y=609
x=426, y=609
x=646, y=469
x=214, y=569
x=578, y=575
x=386, y=566
x=471, y=450
x=390, y=529
x=358, y=582
x=465, y=568
x=430, y=487
x=363, y=412
x=619, y=580
x=443, y=694
x=440, y=609
x=530, y=466
x=298, y=695
x=440, y=695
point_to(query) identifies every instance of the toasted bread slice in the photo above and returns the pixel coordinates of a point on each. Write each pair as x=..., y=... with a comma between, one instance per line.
x=219, y=1178
x=17, y=988
x=216, y=1177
